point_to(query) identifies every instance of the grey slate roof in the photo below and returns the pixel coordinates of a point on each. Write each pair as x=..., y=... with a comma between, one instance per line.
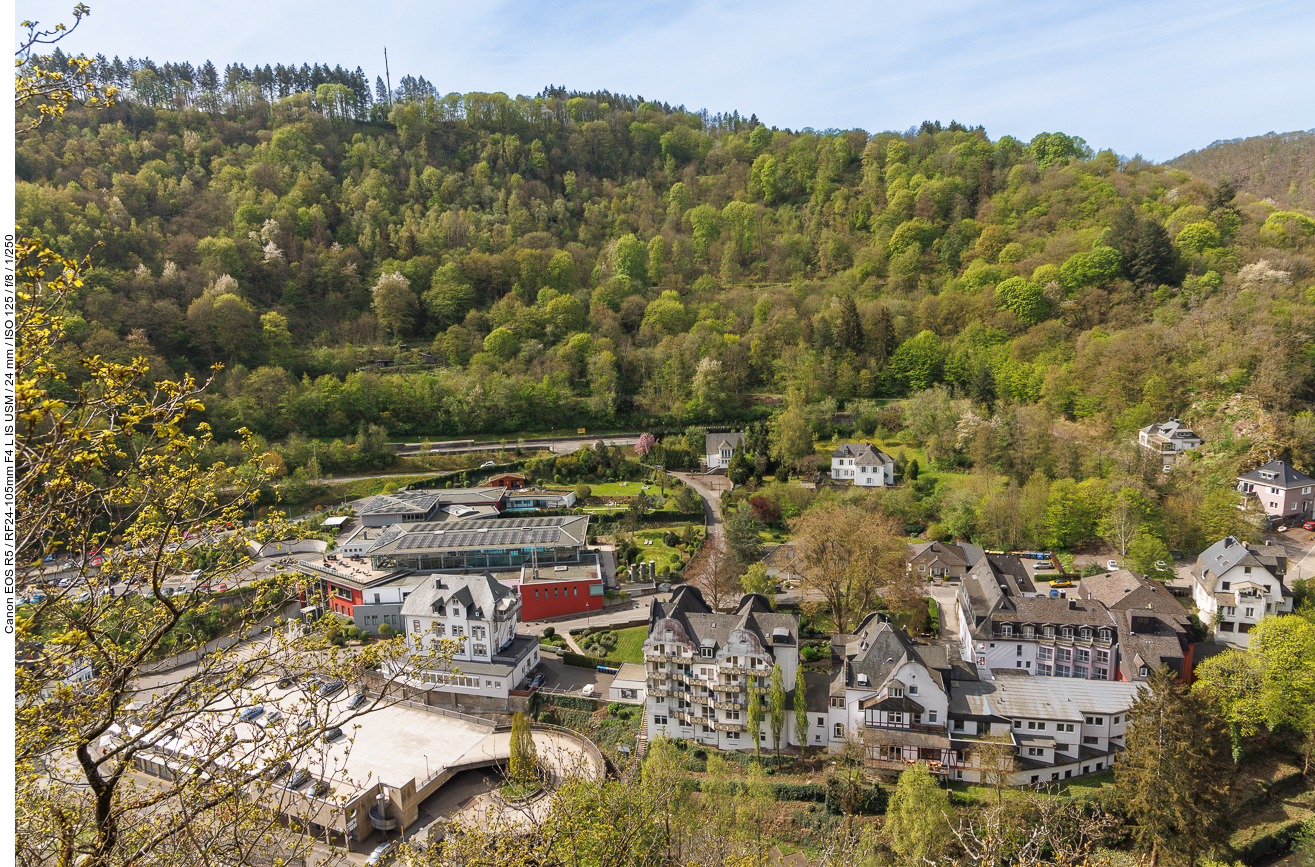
x=705, y=627
x=882, y=649
x=930, y=552
x=482, y=595
x=1286, y=476
x=1228, y=553
x=1047, y=698
x=713, y=442
x=862, y=453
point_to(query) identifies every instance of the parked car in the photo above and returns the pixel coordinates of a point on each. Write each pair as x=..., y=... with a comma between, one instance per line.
x=251, y=713
x=332, y=688
x=1309, y=525
x=1042, y=565
x=487, y=464
x=1161, y=566
x=664, y=587
x=384, y=853
x=357, y=700
x=1112, y=565
x=299, y=779
x=1281, y=528
x=321, y=789
x=537, y=681
x=1061, y=584
x=332, y=734
x=305, y=725
x=271, y=718
x=277, y=770
x=286, y=683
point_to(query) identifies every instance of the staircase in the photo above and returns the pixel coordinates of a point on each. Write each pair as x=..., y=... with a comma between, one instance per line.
x=637, y=757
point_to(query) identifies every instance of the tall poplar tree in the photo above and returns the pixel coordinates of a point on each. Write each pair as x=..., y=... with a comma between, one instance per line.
x=801, y=711
x=776, y=703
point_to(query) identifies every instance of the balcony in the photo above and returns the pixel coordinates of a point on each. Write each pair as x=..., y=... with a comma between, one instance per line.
x=739, y=666
x=660, y=689
x=908, y=727
x=695, y=698
x=663, y=657
x=733, y=704
x=726, y=725
x=728, y=687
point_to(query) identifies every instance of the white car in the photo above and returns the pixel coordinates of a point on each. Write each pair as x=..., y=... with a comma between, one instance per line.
x=1112, y=565
x=487, y=464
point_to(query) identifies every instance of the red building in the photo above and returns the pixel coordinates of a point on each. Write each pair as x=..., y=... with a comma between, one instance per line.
x=561, y=590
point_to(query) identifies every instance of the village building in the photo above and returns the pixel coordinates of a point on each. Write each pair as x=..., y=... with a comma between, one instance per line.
x=862, y=464
x=1281, y=492
x=1236, y=585
x=719, y=449
x=701, y=667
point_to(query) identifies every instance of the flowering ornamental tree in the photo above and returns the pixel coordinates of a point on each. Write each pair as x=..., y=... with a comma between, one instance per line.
x=645, y=444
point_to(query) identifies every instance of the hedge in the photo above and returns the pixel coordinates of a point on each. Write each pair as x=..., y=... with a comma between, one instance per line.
x=581, y=661
x=1277, y=840
x=570, y=702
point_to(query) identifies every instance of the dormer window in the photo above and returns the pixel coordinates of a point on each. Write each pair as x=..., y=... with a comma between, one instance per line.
x=1067, y=632
x=1085, y=633
x=1006, y=630
x=1028, y=631
x=705, y=652
x=897, y=692
x=1048, y=632
x=1104, y=635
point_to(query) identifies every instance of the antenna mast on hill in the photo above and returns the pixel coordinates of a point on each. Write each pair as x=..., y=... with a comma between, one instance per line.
x=387, y=78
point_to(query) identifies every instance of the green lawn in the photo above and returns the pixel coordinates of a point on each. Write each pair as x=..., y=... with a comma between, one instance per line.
x=629, y=644
x=660, y=552
x=616, y=489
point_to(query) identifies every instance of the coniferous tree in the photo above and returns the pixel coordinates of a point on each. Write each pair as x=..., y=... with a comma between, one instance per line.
x=850, y=332
x=1175, y=771
x=1154, y=258
x=883, y=338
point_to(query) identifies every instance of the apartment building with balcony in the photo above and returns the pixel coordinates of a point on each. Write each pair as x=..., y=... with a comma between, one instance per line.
x=1236, y=585
x=702, y=666
x=1005, y=625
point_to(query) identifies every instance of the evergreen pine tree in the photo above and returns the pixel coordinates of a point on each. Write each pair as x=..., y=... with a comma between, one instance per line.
x=1154, y=258
x=883, y=337
x=1175, y=771
x=523, y=765
x=850, y=332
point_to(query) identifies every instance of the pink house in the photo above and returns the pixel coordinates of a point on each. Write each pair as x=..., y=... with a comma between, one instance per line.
x=1281, y=491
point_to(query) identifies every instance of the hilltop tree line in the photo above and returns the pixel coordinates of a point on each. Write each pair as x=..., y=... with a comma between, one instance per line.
x=443, y=264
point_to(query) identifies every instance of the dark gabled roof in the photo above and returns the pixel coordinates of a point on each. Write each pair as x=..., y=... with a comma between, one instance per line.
x=1122, y=589
x=704, y=627
x=882, y=649
x=1285, y=476
x=481, y=595
x=991, y=584
x=1228, y=553
x=714, y=441
x=950, y=555
x=862, y=453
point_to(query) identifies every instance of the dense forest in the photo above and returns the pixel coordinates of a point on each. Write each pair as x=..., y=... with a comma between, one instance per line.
x=410, y=264
x=1275, y=166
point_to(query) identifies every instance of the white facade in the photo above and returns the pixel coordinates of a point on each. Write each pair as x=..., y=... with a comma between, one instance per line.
x=720, y=449
x=702, y=667
x=862, y=465
x=1235, y=589
x=474, y=619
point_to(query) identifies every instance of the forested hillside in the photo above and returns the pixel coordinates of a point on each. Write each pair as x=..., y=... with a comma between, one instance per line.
x=1278, y=166
x=591, y=259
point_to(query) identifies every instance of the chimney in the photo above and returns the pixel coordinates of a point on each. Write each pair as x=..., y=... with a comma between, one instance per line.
x=1148, y=606
x=1072, y=605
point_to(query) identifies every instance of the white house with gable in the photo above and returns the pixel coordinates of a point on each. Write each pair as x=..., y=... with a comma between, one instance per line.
x=719, y=448
x=862, y=464
x=1237, y=585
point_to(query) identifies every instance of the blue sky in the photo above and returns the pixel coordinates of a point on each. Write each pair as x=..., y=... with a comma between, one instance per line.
x=1155, y=77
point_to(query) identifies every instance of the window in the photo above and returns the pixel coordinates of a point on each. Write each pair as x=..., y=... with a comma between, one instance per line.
x=1018, y=651
x=932, y=716
x=1103, y=656
x=1116, y=720
x=1031, y=724
x=1094, y=720
x=439, y=629
x=1082, y=655
x=659, y=719
x=1225, y=585
x=456, y=612
x=1061, y=670
x=1230, y=610
x=913, y=689
x=1018, y=723
x=1043, y=669
x=1104, y=635
x=1006, y=630
x=838, y=730
x=481, y=650
x=1085, y=633
x=1063, y=727
x=1246, y=570
x=1250, y=612
x=821, y=721
x=1063, y=653
x=1048, y=632
x=660, y=700
x=837, y=702
x=705, y=652
x=458, y=631
x=1101, y=673
x=1028, y=631
x=897, y=692
x=735, y=736
x=958, y=725
x=1143, y=672
x=732, y=715
x=1044, y=653
x=1067, y=632
x=536, y=594
x=415, y=626
x=1035, y=751
x=1089, y=739
x=477, y=632
x=896, y=718
x=1080, y=671
x=376, y=599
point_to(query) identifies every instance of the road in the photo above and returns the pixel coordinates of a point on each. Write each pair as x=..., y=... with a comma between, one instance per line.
x=557, y=444
x=709, y=488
